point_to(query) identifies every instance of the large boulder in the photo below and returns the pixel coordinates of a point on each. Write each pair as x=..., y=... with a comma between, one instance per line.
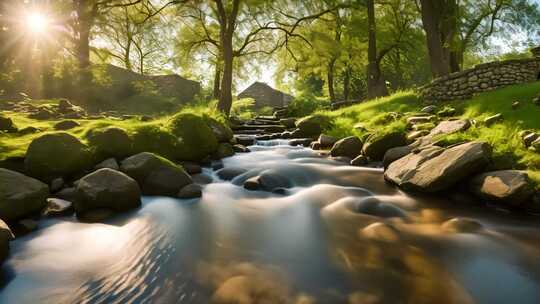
x=511, y=187
x=55, y=155
x=106, y=188
x=268, y=180
x=311, y=126
x=111, y=142
x=221, y=131
x=349, y=146
x=196, y=140
x=435, y=169
x=376, y=146
x=326, y=141
x=20, y=195
x=156, y=175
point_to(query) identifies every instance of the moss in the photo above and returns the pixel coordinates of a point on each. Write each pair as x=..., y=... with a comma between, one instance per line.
x=110, y=142
x=196, y=139
x=155, y=139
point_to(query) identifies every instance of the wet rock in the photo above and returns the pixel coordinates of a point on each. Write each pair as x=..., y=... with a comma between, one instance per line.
x=350, y=147
x=109, y=163
x=288, y=122
x=240, y=149
x=230, y=172
x=460, y=225
x=373, y=206
x=111, y=142
x=315, y=145
x=377, y=145
x=109, y=189
x=434, y=169
x=360, y=160
x=511, y=187
x=20, y=195
x=394, y=154
x=451, y=126
x=66, y=125
x=156, y=175
x=5, y=236
x=56, y=155
x=327, y=141
x=267, y=181
x=68, y=194
x=96, y=215
x=202, y=179
x=380, y=232
x=224, y=150
x=245, y=140
x=305, y=142
x=429, y=109
x=493, y=119
x=191, y=167
x=57, y=184
x=217, y=165
x=309, y=126
x=190, y=191
x=58, y=207
x=281, y=191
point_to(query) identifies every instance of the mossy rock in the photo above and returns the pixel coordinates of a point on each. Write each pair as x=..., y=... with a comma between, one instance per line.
x=313, y=125
x=222, y=132
x=196, y=140
x=56, y=155
x=155, y=139
x=224, y=150
x=111, y=142
x=377, y=145
x=20, y=195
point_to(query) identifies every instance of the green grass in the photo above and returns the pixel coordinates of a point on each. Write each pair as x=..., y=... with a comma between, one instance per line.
x=379, y=116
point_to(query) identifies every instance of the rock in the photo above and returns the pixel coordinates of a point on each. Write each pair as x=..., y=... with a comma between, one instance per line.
x=419, y=119
x=109, y=163
x=197, y=139
x=289, y=123
x=309, y=126
x=190, y=191
x=360, y=127
x=26, y=226
x=191, y=167
x=106, y=188
x=315, y=145
x=451, y=126
x=221, y=131
x=515, y=105
x=156, y=175
x=245, y=140
x=380, y=232
x=68, y=194
x=57, y=184
x=20, y=195
x=341, y=159
x=377, y=145
x=95, y=215
x=394, y=154
x=42, y=114
x=511, y=187
x=56, y=155
x=29, y=130
x=417, y=134
x=373, y=206
x=217, y=165
x=305, y=142
x=6, y=124
x=424, y=127
x=111, y=142
x=240, y=149
x=5, y=236
x=530, y=138
x=58, y=207
x=350, y=147
x=230, y=172
x=536, y=144
x=434, y=169
x=429, y=109
x=202, y=179
x=493, y=119
x=360, y=160
x=66, y=125
x=224, y=150
x=326, y=141
x=460, y=225
x=267, y=181
x=447, y=112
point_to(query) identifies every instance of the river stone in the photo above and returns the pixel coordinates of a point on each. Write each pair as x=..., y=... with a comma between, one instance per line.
x=380, y=232
x=240, y=149
x=111, y=142
x=68, y=194
x=191, y=167
x=267, y=181
x=245, y=140
x=156, y=175
x=95, y=215
x=190, y=191
x=373, y=206
x=349, y=146
x=394, y=154
x=506, y=186
x=230, y=172
x=20, y=195
x=202, y=179
x=360, y=160
x=289, y=123
x=434, y=169
x=5, y=236
x=66, y=125
x=106, y=188
x=224, y=150
x=315, y=145
x=309, y=126
x=451, y=126
x=305, y=142
x=377, y=145
x=326, y=140
x=460, y=225
x=241, y=289
x=58, y=207
x=56, y=155
x=109, y=163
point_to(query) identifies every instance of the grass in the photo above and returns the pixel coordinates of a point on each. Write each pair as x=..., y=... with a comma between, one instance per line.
x=390, y=113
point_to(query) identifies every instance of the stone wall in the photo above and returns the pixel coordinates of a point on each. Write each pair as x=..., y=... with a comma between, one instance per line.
x=481, y=78
x=266, y=96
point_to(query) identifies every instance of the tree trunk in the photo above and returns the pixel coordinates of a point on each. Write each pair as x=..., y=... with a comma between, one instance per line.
x=84, y=24
x=225, y=94
x=376, y=83
x=217, y=79
x=347, y=83
x=330, y=80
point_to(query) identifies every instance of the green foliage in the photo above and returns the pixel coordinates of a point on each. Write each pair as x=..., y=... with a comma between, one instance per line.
x=243, y=108
x=306, y=103
x=196, y=139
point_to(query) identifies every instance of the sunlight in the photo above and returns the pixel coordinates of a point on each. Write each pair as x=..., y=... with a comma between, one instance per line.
x=37, y=23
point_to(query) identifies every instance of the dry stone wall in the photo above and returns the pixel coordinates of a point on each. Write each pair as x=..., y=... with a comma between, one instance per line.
x=481, y=78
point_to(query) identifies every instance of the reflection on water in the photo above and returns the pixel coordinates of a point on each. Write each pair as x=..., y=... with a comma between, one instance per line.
x=340, y=235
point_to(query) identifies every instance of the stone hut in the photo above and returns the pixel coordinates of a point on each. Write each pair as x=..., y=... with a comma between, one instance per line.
x=483, y=77
x=266, y=96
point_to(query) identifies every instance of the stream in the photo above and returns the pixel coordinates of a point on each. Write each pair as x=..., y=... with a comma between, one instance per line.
x=311, y=244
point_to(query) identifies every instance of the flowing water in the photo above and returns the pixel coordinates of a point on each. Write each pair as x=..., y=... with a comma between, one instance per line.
x=309, y=245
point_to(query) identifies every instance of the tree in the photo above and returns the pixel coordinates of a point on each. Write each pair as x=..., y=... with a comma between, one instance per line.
x=376, y=81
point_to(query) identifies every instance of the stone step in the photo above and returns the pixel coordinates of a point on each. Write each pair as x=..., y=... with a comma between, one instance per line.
x=265, y=128
x=267, y=117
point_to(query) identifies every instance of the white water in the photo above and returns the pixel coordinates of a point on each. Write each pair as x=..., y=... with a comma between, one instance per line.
x=308, y=246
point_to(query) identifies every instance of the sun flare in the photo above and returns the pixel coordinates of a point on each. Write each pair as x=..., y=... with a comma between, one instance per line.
x=37, y=23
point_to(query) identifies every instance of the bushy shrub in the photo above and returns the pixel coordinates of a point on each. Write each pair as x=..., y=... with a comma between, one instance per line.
x=305, y=104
